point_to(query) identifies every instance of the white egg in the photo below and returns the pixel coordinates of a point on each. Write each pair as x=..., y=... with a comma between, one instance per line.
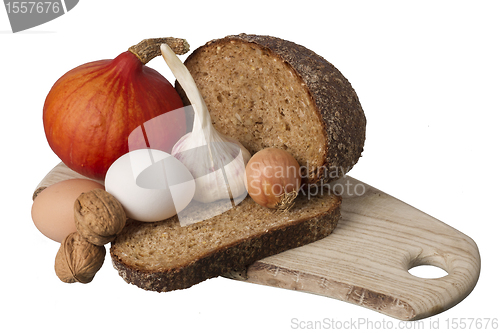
x=151, y=185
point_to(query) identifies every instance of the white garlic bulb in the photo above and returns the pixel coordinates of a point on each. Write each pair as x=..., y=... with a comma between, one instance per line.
x=216, y=162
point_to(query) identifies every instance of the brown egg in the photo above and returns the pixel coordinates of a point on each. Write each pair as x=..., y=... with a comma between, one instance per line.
x=53, y=208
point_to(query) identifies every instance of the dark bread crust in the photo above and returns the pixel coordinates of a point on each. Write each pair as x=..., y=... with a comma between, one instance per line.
x=344, y=121
x=234, y=257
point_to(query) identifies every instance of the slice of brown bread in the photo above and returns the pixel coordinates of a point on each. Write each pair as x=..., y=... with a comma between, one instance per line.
x=163, y=256
x=268, y=92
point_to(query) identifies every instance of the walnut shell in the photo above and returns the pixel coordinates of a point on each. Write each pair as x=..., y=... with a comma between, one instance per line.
x=99, y=217
x=78, y=260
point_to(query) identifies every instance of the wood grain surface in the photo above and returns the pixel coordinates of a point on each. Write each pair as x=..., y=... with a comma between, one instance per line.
x=366, y=260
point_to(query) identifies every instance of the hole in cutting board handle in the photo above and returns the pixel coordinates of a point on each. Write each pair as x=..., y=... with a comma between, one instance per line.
x=427, y=271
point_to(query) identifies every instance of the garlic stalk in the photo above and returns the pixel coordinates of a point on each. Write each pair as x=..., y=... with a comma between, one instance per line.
x=216, y=161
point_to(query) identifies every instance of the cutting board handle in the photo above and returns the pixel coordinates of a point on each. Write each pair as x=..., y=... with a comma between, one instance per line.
x=366, y=259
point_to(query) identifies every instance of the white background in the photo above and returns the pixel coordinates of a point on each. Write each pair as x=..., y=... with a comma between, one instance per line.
x=427, y=74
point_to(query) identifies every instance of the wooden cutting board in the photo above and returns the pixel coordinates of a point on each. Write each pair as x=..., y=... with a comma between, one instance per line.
x=366, y=260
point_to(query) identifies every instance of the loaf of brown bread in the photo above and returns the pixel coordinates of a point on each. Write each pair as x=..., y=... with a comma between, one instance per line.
x=268, y=92
x=265, y=92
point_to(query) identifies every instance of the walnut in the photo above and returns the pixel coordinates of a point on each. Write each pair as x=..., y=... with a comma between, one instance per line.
x=99, y=217
x=78, y=260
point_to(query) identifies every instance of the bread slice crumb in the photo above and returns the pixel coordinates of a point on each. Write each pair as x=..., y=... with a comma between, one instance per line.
x=164, y=256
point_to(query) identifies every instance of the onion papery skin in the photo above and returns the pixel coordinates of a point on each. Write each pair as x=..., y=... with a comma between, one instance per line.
x=91, y=110
x=270, y=175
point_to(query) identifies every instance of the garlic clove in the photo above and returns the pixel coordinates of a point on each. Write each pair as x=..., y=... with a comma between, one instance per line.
x=236, y=168
x=206, y=192
x=218, y=169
